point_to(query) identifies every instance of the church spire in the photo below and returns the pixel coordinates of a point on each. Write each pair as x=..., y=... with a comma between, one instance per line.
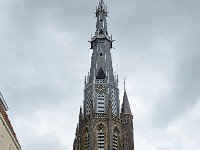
x=101, y=44
x=101, y=126
x=102, y=83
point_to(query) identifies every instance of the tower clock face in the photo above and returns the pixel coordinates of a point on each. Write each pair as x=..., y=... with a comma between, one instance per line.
x=100, y=88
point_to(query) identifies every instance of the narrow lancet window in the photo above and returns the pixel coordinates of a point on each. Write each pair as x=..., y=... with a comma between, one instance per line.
x=115, y=141
x=100, y=104
x=87, y=141
x=113, y=102
x=100, y=138
x=88, y=103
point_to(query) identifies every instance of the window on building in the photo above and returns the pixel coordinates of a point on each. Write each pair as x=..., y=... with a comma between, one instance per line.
x=101, y=138
x=88, y=103
x=113, y=102
x=100, y=103
x=101, y=53
x=87, y=140
x=101, y=74
x=115, y=141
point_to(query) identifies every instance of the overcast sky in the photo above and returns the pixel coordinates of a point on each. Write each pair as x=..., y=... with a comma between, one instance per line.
x=44, y=56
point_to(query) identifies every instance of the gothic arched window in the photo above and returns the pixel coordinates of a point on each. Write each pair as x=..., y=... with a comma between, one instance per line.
x=87, y=140
x=88, y=103
x=100, y=103
x=113, y=102
x=115, y=141
x=101, y=136
x=101, y=74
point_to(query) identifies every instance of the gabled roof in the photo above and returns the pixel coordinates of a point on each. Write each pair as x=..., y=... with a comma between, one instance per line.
x=3, y=109
x=3, y=103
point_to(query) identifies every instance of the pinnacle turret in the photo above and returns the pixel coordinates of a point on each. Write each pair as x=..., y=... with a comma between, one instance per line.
x=126, y=109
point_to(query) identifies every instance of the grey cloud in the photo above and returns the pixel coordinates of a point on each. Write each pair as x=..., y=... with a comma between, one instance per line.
x=45, y=142
x=185, y=93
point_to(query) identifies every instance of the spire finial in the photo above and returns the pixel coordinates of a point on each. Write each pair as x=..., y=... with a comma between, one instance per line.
x=101, y=14
x=124, y=84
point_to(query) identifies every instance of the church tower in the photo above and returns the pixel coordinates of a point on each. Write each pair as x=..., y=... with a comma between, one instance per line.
x=102, y=125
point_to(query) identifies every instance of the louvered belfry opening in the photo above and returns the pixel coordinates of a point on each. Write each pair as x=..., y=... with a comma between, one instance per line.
x=101, y=138
x=115, y=141
x=101, y=104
